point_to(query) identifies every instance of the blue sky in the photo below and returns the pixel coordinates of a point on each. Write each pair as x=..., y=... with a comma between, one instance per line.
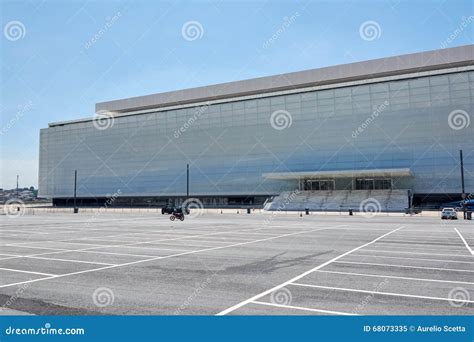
x=58, y=58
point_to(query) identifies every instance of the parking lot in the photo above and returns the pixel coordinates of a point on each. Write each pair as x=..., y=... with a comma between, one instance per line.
x=235, y=264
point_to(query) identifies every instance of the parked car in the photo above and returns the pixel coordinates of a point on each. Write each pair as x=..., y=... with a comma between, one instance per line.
x=412, y=211
x=449, y=214
x=167, y=210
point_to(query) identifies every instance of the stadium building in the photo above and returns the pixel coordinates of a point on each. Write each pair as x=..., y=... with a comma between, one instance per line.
x=387, y=130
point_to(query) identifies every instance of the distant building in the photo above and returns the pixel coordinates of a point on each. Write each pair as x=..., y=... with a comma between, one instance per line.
x=390, y=127
x=24, y=194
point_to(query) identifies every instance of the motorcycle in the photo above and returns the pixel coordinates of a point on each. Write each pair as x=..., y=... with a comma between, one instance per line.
x=177, y=215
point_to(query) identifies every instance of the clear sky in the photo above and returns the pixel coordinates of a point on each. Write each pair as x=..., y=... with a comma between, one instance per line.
x=58, y=58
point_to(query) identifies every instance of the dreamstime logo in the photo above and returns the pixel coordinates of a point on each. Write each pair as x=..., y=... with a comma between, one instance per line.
x=466, y=21
x=103, y=297
x=458, y=119
x=22, y=109
x=14, y=30
x=14, y=208
x=281, y=119
x=458, y=297
x=370, y=207
x=103, y=120
x=288, y=199
x=281, y=296
x=46, y=330
x=287, y=22
x=370, y=119
x=110, y=200
x=366, y=301
x=192, y=30
x=195, y=207
x=18, y=294
x=109, y=22
x=370, y=30
x=196, y=293
x=197, y=114
x=465, y=201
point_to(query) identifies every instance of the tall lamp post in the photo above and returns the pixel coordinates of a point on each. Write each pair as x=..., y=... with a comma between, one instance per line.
x=76, y=209
x=463, y=194
x=187, y=181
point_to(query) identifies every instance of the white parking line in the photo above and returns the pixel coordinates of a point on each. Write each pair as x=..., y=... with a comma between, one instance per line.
x=216, y=233
x=122, y=254
x=256, y=297
x=222, y=239
x=252, y=233
x=153, y=233
x=167, y=256
x=149, y=248
x=177, y=245
x=427, y=238
x=397, y=277
x=303, y=308
x=22, y=244
x=405, y=258
x=61, y=251
x=48, y=248
x=29, y=272
x=420, y=249
x=116, y=253
x=403, y=266
x=58, y=259
x=28, y=232
x=465, y=243
x=135, y=244
x=129, y=245
x=10, y=255
x=417, y=253
x=425, y=243
x=438, y=232
x=380, y=293
x=100, y=239
x=192, y=243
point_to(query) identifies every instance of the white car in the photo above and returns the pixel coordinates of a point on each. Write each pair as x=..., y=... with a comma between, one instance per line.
x=449, y=214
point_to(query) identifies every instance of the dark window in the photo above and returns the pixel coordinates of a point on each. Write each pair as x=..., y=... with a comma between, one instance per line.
x=373, y=184
x=364, y=184
x=382, y=184
x=316, y=185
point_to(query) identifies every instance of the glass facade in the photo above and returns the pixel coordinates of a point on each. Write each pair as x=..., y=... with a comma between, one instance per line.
x=405, y=123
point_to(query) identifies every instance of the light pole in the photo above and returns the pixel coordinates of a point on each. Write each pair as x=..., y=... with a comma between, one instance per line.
x=187, y=181
x=463, y=195
x=76, y=210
